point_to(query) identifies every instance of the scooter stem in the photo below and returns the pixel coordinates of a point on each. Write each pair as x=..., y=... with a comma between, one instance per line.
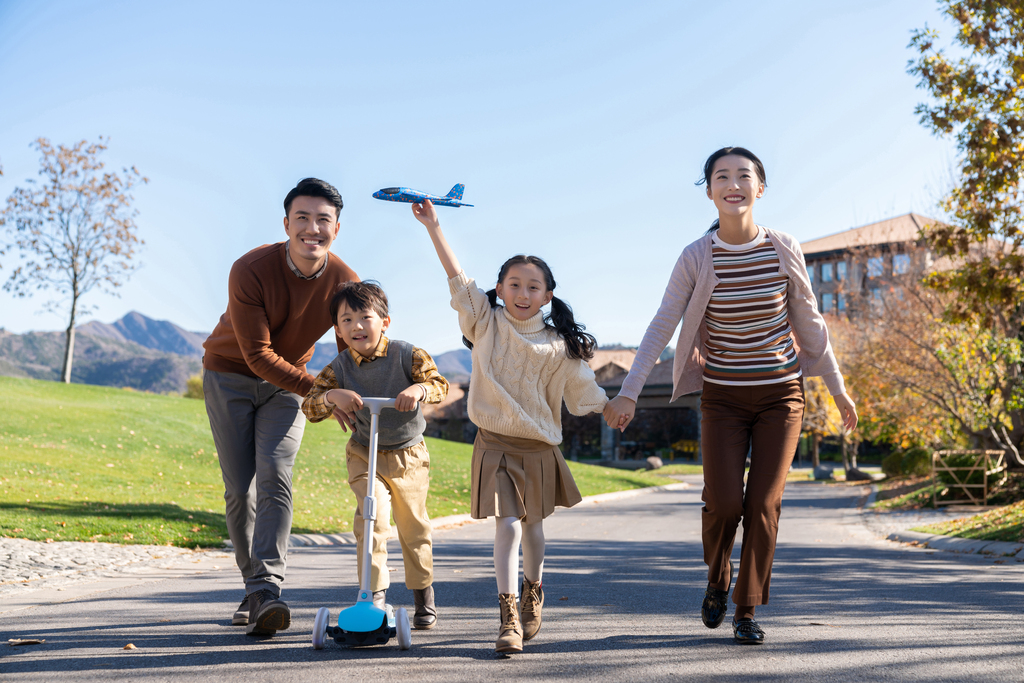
x=370, y=501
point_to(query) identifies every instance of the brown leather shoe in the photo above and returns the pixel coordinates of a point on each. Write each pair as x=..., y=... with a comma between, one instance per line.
x=531, y=602
x=510, y=637
x=425, y=616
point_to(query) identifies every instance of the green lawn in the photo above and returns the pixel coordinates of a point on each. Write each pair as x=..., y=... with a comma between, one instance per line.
x=81, y=462
x=1002, y=524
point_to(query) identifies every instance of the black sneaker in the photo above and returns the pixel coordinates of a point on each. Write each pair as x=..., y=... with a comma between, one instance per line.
x=267, y=614
x=241, y=616
x=747, y=632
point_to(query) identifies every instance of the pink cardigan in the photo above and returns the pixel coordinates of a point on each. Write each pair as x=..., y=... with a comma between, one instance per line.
x=686, y=298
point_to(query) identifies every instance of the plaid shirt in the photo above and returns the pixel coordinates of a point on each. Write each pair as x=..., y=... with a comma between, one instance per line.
x=424, y=374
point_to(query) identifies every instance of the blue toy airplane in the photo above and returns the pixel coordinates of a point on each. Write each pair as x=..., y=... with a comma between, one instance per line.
x=409, y=196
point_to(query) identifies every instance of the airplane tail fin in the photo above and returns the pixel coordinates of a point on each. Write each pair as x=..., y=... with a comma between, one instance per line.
x=456, y=192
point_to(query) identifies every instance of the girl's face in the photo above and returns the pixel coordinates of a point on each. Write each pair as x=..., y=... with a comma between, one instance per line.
x=734, y=185
x=524, y=291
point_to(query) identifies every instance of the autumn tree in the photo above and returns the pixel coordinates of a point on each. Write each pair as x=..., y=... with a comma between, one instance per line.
x=977, y=99
x=74, y=230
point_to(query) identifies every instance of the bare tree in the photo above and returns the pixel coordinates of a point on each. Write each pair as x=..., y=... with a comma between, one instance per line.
x=74, y=231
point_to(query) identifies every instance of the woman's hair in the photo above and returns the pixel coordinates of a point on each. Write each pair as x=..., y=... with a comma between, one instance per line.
x=709, y=169
x=578, y=343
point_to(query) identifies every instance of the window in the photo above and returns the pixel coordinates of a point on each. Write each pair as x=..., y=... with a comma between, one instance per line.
x=826, y=303
x=900, y=264
x=826, y=272
x=810, y=273
x=841, y=272
x=840, y=302
x=875, y=268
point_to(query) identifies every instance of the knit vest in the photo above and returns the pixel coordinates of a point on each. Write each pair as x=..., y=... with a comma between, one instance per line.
x=383, y=378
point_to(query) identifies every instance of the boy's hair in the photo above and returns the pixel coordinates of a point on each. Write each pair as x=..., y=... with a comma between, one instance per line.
x=360, y=296
x=314, y=187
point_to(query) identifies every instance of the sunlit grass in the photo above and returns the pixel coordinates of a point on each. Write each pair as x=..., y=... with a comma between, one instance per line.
x=87, y=463
x=1002, y=524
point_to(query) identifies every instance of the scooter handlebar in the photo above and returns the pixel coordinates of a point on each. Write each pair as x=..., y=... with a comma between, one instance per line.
x=377, y=404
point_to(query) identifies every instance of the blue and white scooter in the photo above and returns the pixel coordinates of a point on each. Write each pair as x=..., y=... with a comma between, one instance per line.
x=364, y=623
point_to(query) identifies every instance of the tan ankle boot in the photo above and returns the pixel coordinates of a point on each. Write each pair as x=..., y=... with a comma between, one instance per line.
x=531, y=603
x=510, y=637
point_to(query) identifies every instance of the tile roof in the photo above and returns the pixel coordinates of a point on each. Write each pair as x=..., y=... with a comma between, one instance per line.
x=903, y=228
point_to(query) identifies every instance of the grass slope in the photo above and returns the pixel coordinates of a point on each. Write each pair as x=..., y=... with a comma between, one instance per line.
x=80, y=462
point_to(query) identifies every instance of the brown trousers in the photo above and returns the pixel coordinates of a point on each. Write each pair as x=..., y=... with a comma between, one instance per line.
x=763, y=420
x=401, y=486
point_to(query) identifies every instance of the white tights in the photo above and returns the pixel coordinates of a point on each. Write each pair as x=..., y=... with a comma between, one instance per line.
x=509, y=532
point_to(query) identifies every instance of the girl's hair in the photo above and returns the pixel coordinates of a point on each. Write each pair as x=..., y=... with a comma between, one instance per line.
x=578, y=343
x=709, y=169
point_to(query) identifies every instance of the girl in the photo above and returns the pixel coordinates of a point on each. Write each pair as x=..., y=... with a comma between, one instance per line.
x=751, y=329
x=524, y=365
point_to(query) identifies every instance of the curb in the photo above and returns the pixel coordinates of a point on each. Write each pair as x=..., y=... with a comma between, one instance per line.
x=950, y=544
x=453, y=521
x=954, y=544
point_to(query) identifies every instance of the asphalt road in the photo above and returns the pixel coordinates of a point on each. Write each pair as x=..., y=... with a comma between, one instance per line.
x=623, y=580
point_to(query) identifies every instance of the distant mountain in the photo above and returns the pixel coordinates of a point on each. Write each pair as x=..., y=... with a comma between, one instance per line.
x=159, y=335
x=456, y=366
x=98, y=360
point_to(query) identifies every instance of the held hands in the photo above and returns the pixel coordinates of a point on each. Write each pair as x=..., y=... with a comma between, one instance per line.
x=409, y=397
x=619, y=412
x=426, y=214
x=847, y=409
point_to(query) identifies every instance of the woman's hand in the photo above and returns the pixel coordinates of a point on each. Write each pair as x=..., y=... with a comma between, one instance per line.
x=619, y=412
x=847, y=409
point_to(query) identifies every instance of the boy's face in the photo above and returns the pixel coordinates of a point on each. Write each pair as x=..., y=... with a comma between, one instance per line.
x=361, y=330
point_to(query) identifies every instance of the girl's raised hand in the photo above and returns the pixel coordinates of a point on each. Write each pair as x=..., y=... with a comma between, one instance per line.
x=426, y=213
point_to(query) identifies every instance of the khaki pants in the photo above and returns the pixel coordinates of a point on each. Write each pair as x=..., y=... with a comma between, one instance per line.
x=403, y=477
x=764, y=420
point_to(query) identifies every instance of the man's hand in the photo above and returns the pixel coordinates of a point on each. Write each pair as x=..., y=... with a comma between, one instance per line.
x=426, y=214
x=409, y=397
x=619, y=412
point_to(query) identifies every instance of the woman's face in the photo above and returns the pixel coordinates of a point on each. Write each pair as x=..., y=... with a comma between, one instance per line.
x=734, y=185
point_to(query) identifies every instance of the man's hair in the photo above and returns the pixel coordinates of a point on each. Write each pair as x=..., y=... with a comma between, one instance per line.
x=314, y=187
x=360, y=296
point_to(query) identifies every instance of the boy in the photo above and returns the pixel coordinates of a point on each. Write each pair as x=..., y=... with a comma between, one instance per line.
x=373, y=365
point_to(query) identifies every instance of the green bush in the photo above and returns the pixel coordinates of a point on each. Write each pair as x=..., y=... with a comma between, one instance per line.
x=908, y=462
x=965, y=460
x=194, y=387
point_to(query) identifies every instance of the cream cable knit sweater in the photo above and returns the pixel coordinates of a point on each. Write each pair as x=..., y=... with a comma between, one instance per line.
x=521, y=372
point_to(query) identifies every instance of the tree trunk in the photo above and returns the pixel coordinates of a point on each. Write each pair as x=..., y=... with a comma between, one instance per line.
x=69, y=346
x=842, y=449
x=815, y=441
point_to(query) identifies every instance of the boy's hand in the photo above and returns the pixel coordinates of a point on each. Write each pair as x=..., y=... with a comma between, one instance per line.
x=409, y=397
x=344, y=400
x=426, y=213
x=344, y=419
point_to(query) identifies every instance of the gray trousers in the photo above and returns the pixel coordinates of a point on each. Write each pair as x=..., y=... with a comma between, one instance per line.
x=257, y=428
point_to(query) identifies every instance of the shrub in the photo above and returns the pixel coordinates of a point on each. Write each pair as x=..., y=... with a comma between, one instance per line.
x=908, y=462
x=194, y=387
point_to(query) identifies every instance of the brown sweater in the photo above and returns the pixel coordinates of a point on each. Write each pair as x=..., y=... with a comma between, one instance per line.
x=274, y=319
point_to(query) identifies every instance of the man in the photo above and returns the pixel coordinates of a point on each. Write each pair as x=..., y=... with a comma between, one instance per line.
x=254, y=380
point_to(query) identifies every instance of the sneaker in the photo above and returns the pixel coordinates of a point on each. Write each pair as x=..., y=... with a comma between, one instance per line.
x=241, y=616
x=530, y=604
x=267, y=614
x=510, y=635
x=425, y=617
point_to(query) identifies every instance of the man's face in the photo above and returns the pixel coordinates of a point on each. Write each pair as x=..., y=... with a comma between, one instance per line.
x=361, y=330
x=311, y=226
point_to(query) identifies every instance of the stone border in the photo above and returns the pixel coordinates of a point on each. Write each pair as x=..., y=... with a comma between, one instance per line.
x=454, y=521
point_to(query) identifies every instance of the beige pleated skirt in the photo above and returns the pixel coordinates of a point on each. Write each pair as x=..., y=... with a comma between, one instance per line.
x=516, y=477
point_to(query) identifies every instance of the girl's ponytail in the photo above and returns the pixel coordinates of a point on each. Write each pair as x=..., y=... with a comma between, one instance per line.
x=579, y=344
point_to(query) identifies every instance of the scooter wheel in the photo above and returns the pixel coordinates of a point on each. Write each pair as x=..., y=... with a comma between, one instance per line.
x=320, y=628
x=403, y=629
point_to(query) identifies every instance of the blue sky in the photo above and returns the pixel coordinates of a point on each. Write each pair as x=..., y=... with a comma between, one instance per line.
x=578, y=129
